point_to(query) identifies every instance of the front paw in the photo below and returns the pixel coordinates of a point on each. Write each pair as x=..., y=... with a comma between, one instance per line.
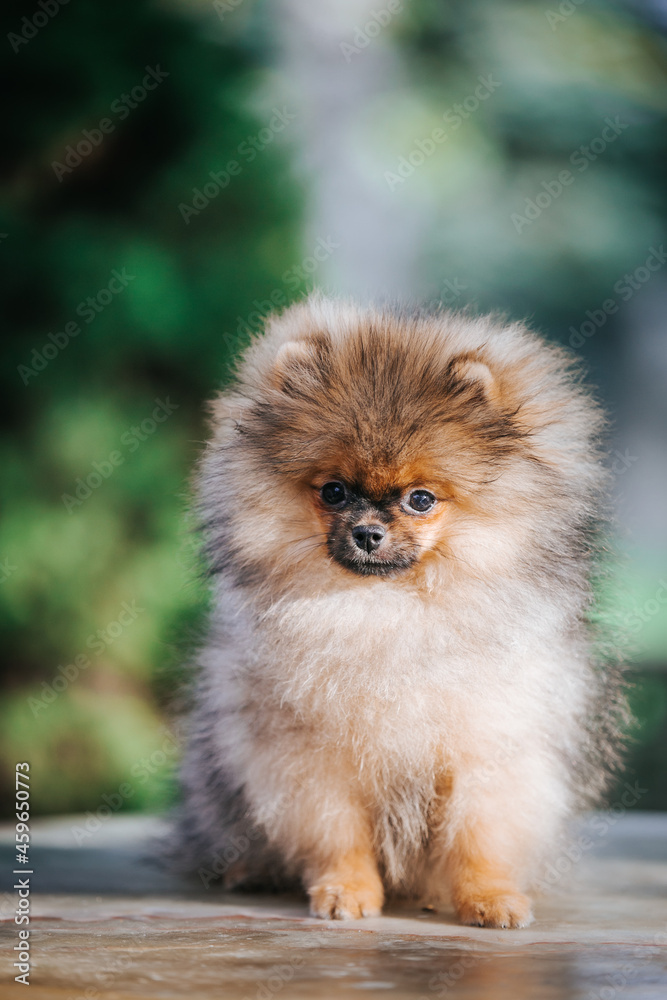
x=335, y=899
x=495, y=908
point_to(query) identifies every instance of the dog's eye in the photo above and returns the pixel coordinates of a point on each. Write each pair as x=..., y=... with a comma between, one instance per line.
x=333, y=494
x=421, y=500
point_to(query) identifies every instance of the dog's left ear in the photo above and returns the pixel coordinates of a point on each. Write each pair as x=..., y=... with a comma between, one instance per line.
x=468, y=370
x=299, y=362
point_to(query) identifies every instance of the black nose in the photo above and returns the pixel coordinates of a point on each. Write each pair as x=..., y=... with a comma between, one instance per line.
x=368, y=536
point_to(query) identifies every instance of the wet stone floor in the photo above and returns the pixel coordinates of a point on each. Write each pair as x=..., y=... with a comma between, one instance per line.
x=106, y=924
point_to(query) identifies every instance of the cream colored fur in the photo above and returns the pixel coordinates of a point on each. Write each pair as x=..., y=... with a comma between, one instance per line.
x=430, y=731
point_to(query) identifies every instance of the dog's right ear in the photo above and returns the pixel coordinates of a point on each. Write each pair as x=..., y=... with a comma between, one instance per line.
x=292, y=353
x=300, y=364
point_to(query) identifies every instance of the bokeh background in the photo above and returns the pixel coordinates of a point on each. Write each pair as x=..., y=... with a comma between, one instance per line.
x=391, y=150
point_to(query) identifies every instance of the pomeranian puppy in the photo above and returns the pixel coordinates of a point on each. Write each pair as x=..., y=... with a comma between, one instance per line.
x=398, y=693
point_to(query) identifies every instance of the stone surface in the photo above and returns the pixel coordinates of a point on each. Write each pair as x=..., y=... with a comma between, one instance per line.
x=107, y=924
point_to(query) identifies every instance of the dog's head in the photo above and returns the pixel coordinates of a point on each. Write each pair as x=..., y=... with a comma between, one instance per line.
x=374, y=442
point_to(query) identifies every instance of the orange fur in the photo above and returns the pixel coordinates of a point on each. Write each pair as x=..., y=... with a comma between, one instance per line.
x=420, y=709
x=347, y=887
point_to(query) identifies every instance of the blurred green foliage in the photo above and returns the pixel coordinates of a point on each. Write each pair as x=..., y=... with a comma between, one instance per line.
x=167, y=333
x=557, y=81
x=581, y=88
x=99, y=591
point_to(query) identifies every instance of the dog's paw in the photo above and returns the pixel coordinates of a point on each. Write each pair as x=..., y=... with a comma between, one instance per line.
x=337, y=900
x=496, y=908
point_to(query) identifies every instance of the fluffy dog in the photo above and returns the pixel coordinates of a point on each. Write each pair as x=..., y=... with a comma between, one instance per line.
x=398, y=692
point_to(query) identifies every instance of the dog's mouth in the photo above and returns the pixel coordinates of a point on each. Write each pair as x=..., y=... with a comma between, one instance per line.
x=373, y=565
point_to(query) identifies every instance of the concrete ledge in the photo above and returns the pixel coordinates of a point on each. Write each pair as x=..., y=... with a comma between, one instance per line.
x=107, y=924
